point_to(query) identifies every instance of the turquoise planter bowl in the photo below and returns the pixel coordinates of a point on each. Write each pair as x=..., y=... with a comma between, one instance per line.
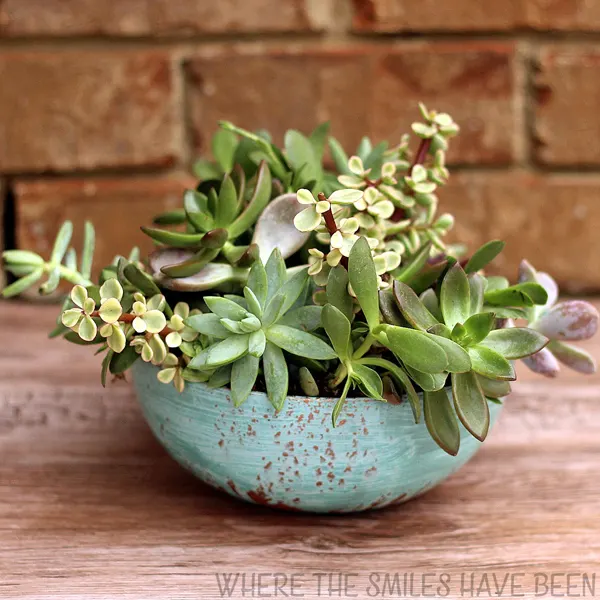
x=295, y=460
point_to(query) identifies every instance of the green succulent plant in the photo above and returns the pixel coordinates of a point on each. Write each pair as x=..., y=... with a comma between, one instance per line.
x=372, y=302
x=257, y=328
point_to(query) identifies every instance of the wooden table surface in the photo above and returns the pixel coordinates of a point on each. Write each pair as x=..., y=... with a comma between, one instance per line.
x=91, y=506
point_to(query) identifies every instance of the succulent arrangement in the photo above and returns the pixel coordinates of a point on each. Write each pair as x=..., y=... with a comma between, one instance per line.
x=290, y=273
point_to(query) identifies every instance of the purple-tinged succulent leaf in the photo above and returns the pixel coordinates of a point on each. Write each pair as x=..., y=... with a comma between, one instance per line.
x=574, y=358
x=548, y=283
x=570, y=320
x=544, y=363
x=275, y=228
x=526, y=272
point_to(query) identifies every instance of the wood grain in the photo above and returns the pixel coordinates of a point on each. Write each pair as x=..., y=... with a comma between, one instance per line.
x=91, y=507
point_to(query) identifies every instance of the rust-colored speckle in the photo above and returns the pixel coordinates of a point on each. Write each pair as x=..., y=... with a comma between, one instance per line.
x=268, y=465
x=290, y=446
x=365, y=431
x=371, y=471
x=278, y=434
x=233, y=488
x=221, y=442
x=316, y=448
x=348, y=469
x=319, y=483
x=319, y=471
x=341, y=481
x=330, y=476
x=286, y=454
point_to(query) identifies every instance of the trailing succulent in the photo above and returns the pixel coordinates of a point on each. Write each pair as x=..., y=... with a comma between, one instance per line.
x=280, y=274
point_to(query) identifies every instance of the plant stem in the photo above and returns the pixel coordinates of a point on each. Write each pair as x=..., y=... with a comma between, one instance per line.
x=342, y=370
x=332, y=227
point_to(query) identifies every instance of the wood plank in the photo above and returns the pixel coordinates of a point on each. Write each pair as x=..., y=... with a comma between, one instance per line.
x=91, y=507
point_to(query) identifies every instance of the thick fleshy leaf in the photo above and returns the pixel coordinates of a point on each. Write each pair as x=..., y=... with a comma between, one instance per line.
x=61, y=244
x=87, y=329
x=307, y=382
x=300, y=153
x=257, y=343
x=415, y=349
x=455, y=297
x=87, y=251
x=574, y=358
x=492, y=388
x=431, y=303
x=110, y=310
x=340, y=158
x=458, y=358
x=276, y=273
x=430, y=382
x=337, y=327
x=173, y=239
x=276, y=375
x=120, y=362
x=224, y=144
x=516, y=342
x=257, y=281
x=140, y=280
x=490, y=364
x=479, y=326
x=274, y=310
x=402, y=378
x=389, y=309
x=569, y=321
x=211, y=276
x=477, y=289
x=307, y=318
x=411, y=268
x=22, y=257
x=300, y=343
x=19, y=286
x=337, y=291
x=275, y=228
x=222, y=353
x=155, y=321
x=208, y=324
x=485, y=255
x=258, y=202
x=307, y=220
x=520, y=295
x=243, y=376
x=253, y=302
x=221, y=377
x=111, y=288
x=544, y=363
x=412, y=308
x=293, y=287
x=363, y=279
x=318, y=139
x=441, y=421
x=227, y=204
x=368, y=380
x=226, y=309
x=470, y=404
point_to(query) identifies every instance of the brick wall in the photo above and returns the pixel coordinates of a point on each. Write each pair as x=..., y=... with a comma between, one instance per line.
x=104, y=105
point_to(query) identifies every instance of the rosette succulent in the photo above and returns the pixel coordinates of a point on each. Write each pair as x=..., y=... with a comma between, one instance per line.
x=286, y=274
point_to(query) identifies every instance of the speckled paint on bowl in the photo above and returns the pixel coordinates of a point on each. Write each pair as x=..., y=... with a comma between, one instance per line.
x=295, y=460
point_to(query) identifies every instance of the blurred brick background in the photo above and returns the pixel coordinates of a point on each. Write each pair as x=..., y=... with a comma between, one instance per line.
x=105, y=105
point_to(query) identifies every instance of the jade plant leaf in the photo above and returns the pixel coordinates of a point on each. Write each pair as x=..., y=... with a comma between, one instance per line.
x=516, y=342
x=455, y=297
x=485, y=255
x=415, y=349
x=489, y=363
x=458, y=357
x=470, y=404
x=363, y=279
x=412, y=308
x=441, y=421
x=368, y=380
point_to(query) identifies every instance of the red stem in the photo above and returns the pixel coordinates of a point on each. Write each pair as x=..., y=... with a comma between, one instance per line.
x=332, y=227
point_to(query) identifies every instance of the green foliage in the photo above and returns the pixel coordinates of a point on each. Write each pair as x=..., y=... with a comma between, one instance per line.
x=372, y=300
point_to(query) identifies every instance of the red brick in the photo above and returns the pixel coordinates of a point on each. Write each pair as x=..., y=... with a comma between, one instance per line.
x=432, y=15
x=567, y=121
x=116, y=207
x=84, y=110
x=549, y=220
x=474, y=82
x=475, y=15
x=144, y=18
x=362, y=89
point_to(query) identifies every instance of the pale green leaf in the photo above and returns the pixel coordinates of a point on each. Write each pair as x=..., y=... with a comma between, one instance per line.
x=363, y=279
x=413, y=310
x=455, y=297
x=208, y=324
x=441, y=421
x=221, y=353
x=300, y=343
x=226, y=309
x=276, y=375
x=515, y=342
x=243, y=376
x=368, y=380
x=485, y=255
x=470, y=404
x=458, y=358
x=415, y=349
x=490, y=364
x=337, y=327
x=337, y=291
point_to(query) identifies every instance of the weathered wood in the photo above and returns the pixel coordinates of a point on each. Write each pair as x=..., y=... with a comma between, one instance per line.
x=91, y=507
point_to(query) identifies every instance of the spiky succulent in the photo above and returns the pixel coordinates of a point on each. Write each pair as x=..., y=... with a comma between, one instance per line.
x=372, y=299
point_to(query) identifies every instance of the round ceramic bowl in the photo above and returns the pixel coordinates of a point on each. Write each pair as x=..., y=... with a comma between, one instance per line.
x=295, y=459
